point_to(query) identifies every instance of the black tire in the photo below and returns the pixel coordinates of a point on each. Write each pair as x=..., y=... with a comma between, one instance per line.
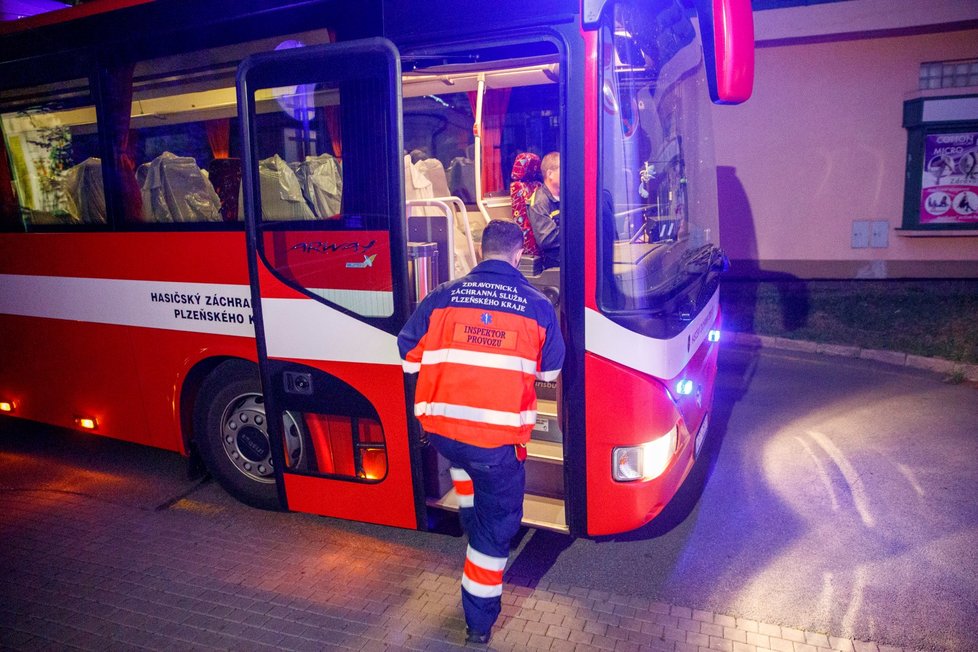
x=230, y=431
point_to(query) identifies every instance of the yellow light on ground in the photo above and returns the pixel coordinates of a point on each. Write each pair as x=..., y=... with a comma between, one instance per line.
x=88, y=423
x=6, y=406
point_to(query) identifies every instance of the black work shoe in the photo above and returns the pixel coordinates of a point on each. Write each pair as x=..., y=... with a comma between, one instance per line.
x=481, y=638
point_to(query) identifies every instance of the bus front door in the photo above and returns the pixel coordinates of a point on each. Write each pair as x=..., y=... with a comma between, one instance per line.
x=322, y=190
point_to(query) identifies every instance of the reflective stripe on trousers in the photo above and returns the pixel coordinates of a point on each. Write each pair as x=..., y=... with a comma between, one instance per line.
x=490, y=484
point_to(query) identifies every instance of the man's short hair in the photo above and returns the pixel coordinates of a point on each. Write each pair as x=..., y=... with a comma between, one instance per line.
x=501, y=238
x=550, y=162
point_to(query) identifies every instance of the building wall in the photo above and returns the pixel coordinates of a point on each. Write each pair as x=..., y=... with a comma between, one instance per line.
x=820, y=143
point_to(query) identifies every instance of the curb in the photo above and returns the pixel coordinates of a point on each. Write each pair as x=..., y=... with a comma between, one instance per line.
x=937, y=365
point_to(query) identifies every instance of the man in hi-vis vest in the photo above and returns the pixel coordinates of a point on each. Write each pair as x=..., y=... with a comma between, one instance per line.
x=478, y=343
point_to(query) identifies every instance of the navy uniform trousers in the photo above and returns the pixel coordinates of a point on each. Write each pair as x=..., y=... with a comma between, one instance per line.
x=489, y=483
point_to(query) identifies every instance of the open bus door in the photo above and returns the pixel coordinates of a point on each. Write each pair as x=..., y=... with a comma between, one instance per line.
x=323, y=197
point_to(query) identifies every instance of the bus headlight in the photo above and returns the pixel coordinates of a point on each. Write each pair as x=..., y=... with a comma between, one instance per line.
x=645, y=461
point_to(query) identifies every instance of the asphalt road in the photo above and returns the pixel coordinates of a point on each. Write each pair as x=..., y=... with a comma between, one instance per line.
x=835, y=495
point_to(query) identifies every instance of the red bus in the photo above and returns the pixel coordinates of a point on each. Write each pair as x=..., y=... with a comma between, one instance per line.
x=217, y=216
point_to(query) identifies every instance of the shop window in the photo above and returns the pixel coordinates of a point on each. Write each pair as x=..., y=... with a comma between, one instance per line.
x=51, y=172
x=941, y=192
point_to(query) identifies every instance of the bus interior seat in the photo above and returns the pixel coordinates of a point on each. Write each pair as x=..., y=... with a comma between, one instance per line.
x=434, y=172
x=465, y=256
x=525, y=179
x=281, y=192
x=416, y=184
x=321, y=181
x=84, y=196
x=432, y=214
x=175, y=189
x=426, y=222
x=461, y=178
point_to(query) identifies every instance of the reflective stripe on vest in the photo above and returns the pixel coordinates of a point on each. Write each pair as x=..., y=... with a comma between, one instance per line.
x=480, y=415
x=479, y=359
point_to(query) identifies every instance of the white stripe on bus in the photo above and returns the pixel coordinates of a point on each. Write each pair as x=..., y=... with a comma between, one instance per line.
x=306, y=329
x=123, y=302
x=659, y=358
x=295, y=328
x=369, y=303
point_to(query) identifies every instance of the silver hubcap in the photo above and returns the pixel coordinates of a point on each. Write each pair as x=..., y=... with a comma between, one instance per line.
x=244, y=435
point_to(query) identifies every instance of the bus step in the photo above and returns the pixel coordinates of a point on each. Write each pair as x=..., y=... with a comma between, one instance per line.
x=545, y=451
x=538, y=511
x=544, y=470
x=547, y=427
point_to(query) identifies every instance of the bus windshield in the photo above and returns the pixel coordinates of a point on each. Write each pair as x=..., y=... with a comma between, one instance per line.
x=658, y=199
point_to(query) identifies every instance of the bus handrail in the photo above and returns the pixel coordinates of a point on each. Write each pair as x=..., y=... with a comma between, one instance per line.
x=447, y=213
x=462, y=213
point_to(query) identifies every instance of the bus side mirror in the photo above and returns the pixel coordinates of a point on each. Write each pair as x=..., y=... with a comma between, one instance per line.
x=727, y=30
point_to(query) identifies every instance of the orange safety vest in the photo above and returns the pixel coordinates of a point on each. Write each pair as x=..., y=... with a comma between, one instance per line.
x=478, y=344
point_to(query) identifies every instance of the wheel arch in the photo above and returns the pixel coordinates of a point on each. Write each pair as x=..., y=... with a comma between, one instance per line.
x=190, y=392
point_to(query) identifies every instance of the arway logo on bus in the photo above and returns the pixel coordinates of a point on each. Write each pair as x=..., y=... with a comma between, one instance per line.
x=320, y=247
x=368, y=261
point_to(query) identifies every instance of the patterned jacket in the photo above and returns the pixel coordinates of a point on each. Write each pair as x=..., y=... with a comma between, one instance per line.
x=525, y=180
x=478, y=343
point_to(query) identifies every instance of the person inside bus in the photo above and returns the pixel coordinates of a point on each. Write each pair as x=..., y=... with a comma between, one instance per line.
x=494, y=325
x=544, y=210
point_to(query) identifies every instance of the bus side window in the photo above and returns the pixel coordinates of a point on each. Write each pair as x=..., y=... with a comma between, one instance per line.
x=175, y=140
x=50, y=146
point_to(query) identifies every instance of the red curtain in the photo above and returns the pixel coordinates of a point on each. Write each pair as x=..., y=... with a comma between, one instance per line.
x=332, y=114
x=119, y=82
x=225, y=172
x=219, y=137
x=494, y=104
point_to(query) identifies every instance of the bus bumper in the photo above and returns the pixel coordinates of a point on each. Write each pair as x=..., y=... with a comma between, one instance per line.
x=631, y=409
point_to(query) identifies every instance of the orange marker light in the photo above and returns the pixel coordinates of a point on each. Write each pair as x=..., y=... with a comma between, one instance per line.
x=88, y=423
x=6, y=406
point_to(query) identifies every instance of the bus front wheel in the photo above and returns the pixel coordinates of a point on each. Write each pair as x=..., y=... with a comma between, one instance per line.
x=231, y=433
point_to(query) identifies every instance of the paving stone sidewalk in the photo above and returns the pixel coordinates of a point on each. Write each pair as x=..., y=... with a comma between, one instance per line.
x=77, y=572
